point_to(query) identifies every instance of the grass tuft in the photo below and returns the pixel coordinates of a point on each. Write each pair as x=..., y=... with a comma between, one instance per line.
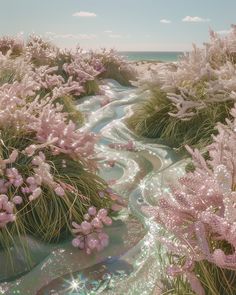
x=69, y=107
x=122, y=74
x=151, y=119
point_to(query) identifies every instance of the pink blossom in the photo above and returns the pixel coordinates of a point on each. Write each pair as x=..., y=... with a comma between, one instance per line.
x=89, y=234
x=6, y=211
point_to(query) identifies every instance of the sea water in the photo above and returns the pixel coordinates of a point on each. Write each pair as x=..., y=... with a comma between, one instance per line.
x=164, y=56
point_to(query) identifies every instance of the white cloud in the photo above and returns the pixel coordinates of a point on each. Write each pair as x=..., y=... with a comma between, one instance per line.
x=87, y=36
x=115, y=36
x=65, y=36
x=165, y=21
x=49, y=33
x=224, y=32
x=71, y=36
x=84, y=14
x=195, y=19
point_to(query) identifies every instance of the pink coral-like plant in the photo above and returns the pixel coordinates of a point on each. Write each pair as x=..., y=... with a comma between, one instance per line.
x=202, y=208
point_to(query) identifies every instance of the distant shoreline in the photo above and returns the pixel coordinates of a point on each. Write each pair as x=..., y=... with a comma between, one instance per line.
x=143, y=61
x=151, y=56
x=145, y=69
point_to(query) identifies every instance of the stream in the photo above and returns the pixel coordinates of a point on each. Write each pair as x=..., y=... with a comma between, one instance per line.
x=138, y=169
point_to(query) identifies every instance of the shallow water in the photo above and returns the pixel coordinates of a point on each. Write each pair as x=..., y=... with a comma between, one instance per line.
x=129, y=265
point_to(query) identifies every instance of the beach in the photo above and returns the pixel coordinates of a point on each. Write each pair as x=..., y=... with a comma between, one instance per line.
x=145, y=69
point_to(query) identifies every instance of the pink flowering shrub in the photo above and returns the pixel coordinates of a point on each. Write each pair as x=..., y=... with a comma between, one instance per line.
x=48, y=170
x=90, y=235
x=184, y=101
x=78, y=70
x=39, y=51
x=13, y=69
x=200, y=214
x=83, y=70
x=61, y=73
x=201, y=77
x=47, y=167
x=11, y=45
x=116, y=67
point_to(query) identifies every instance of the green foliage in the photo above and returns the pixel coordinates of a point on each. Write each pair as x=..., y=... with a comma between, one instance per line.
x=122, y=74
x=215, y=281
x=49, y=217
x=69, y=107
x=7, y=76
x=151, y=119
x=91, y=87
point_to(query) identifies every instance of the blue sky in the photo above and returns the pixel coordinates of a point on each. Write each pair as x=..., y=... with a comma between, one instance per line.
x=124, y=24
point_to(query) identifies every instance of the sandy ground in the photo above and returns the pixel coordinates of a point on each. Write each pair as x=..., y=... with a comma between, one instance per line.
x=147, y=68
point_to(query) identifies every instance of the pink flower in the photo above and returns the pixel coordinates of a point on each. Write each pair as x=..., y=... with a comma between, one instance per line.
x=90, y=235
x=35, y=194
x=17, y=200
x=6, y=211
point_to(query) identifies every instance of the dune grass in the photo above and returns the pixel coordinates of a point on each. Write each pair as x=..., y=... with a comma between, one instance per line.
x=69, y=107
x=91, y=87
x=151, y=119
x=8, y=76
x=214, y=280
x=123, y=74
x=49, y=217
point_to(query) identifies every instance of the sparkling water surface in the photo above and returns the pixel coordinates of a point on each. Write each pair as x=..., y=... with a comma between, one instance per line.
x=131, y=262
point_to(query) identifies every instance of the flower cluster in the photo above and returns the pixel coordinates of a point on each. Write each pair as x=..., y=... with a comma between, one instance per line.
x=200, y=212
x=58, y=71
x=43, y=118
x=185, y=100
x=28, y=186
x=39, y=51
x=47, y=165
x=116, y=67
x=201, y=77
x=40, y=151
x=84, y=66
x=12, y=46
x=6, y=211
x=13, y=69
x=90, y=234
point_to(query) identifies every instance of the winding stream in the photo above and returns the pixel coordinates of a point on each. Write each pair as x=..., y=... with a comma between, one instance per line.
x=136, y=168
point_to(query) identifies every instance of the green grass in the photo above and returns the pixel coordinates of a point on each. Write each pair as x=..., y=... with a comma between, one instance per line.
x=91, y=87
x=14, y=69
x=151, y=119
x=69, y=107
x=8, y=76
x=113, y=70
x=49, y=217
x=214, y=280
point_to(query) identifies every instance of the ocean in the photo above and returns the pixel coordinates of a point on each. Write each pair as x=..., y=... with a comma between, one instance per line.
x=165, y=56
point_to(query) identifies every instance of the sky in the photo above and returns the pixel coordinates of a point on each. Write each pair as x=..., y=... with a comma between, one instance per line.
x=127, y=25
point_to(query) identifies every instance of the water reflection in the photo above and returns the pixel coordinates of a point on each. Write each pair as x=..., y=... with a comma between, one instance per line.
x=129, y=265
